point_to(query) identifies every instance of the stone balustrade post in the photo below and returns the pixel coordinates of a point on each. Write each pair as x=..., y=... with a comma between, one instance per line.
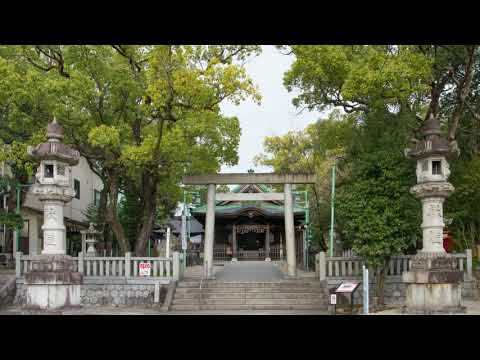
x=322, y=266
x=128, y=270
x=80, y=263
x=176, y=266
x=18, y=264
x=469, y=264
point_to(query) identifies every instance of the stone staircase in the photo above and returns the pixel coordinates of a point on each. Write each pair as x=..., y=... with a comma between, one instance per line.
x=281, y=295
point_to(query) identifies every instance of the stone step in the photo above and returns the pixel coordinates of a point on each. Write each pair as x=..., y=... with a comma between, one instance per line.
x=247, y=285
x=249, y=291
x=232, y=295
x=254, y=289
x=251, y=301
x=246, y=307
x=236, y=293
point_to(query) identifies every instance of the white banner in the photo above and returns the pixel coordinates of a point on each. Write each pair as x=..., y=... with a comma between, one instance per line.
x=144, y=269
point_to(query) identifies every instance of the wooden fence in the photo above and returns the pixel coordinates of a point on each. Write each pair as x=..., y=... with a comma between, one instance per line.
x=351, y=267
x=114, y=267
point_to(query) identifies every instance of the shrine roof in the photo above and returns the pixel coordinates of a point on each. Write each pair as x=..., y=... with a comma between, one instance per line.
x=238, y=207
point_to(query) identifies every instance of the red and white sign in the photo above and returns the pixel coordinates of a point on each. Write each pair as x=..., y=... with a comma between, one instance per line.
x=144, y=269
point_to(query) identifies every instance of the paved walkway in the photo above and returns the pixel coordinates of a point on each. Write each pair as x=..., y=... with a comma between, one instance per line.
x=473, y=308
x=138, y=310
x=249, y=271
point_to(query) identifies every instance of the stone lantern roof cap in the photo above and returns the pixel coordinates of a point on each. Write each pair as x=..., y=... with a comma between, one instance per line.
x=431, y=126
x=54, y=149
x=432, y=144
x=54, y=130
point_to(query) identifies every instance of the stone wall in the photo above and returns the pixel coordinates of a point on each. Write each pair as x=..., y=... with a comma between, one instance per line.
x=128, y=294
x=7, y=291
x=109, y=294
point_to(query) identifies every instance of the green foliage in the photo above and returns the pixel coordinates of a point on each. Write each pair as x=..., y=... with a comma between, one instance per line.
x=463, y=206
x=12, y=221
x=312, y=151
x=129, y=214
x=92, y=215
x=135, y=112
x=358, y=76
x=376, y=212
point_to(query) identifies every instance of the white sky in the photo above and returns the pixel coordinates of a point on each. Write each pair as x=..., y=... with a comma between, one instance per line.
x=275, y=116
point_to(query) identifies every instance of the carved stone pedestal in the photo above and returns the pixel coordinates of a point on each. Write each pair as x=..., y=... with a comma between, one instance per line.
x=434, y=286
x=52, y=283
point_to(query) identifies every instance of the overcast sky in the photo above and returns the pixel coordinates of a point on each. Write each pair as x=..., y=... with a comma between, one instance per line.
x=275, y=116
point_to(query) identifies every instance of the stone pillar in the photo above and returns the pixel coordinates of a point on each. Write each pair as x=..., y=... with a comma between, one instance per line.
x=289, y=232
x=432, y=225
x=209, y=230
x=234, y=243
x=267, y=244
x=54, y=230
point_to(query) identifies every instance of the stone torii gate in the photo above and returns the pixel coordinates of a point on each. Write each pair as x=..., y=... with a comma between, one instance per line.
x=251, y=178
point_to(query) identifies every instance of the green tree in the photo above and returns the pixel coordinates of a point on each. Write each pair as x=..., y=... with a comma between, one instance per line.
x=389, y=90
x=376, y=213
x=312, y=150
x=142, y=115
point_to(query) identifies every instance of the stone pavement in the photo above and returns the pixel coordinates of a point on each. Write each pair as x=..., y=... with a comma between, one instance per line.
x=131, y=310
x=473, y=308
x=249, y=271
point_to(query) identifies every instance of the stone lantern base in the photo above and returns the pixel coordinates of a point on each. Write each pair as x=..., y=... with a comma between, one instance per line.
x=433, y=285
x=52, y=283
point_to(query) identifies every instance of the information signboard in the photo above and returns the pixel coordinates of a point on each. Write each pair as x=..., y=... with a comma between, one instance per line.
x=347, y=287
x=144, y=269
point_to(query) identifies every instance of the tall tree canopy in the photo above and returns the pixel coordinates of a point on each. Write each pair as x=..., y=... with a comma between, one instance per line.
x=141, y=115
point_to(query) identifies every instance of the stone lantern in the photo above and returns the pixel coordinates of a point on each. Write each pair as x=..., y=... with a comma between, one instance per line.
x=52, y=283
x=433, y=284
x=89, y=237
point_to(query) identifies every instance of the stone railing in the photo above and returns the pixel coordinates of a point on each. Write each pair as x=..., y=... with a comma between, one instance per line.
x=351, y=267
x=115, y=267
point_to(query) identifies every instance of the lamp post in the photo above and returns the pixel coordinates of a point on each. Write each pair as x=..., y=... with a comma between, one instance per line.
x=332, y=211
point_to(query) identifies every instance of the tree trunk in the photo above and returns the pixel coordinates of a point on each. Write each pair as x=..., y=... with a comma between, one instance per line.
x=380, y=284
x=111, y=216
x=148, y=214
